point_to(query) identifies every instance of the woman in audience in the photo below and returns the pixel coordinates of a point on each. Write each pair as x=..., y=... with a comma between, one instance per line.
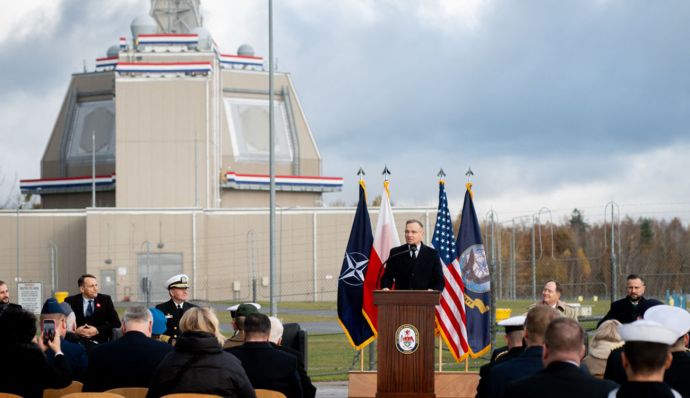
x=199, y=364
x=606, y=338
x=25, y=370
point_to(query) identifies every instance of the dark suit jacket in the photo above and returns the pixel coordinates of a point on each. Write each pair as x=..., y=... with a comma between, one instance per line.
x=308, y=389
x=75, y=353
x=421, y=273
x=269, y=368
x=622, y=310
x=129, y=361
x=677, y=376
x=173, y=316
x=483, y=390
x=614, y=367
x=104, y=317
x=561, y=379
x=524, y=365
x=26, y=372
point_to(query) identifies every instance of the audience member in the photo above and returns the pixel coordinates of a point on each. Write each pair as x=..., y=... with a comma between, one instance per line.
x=160, y=325
x=514, y=334
x=5, y=298
x=75, y=353
x=95, y=312
x=677, y=319
x=551, y=296
x=528, y=362
x=563, y=347
x=605, y=340
x=627, y=309
x=25, y=371
x=614, y=363
x=645, y=358
x=198, y=363
x=256, y=352
x=175, y=308
x=239, y=313
x=129, y=361
x=276, y=340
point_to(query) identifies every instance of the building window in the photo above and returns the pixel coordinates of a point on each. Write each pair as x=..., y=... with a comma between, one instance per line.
x=248, y=126
x=92, y=117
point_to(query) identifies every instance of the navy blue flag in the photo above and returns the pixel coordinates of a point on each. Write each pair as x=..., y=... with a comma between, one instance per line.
x=351, y=279
x=475, y=275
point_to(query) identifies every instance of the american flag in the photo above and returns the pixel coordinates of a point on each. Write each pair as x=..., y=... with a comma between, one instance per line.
x=450, y=313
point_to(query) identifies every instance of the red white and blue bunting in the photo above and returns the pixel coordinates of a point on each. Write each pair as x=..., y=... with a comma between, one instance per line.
x=283, y=183
x=67, y=185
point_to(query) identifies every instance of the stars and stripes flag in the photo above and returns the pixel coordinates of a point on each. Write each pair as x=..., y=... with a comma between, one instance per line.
x=385, y=238
x=450, y=313
x=475, y=275
x=351, y=279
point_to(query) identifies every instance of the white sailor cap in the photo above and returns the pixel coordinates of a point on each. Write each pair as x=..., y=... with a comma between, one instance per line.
x=514, y=323
x=179, y=281
x=674, y=318
x=644, y=330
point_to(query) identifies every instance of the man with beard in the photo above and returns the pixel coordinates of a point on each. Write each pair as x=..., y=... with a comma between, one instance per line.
x=627, y=309
x=5, y=298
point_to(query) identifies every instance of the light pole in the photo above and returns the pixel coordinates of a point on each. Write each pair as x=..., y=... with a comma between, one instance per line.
x=53, y=266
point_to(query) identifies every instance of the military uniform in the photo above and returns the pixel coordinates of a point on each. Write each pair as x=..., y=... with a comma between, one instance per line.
x=172, y=313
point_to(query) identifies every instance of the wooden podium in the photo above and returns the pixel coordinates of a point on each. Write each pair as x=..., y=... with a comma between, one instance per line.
x=405, y=343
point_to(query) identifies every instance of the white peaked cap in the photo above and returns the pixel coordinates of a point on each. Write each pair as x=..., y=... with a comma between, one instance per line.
x=647, y=331
x=674, y=318
x=513, y=321
x=233, y=308
x=180, y=281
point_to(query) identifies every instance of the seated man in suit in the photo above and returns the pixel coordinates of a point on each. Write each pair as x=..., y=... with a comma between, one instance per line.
x=129, y=361
x=5, y=298
x=564, y=345
x=414, y=265
x=95, y=312
x=267, y=367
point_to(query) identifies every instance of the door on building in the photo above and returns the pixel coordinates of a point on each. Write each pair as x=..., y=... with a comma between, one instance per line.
x=107, y=283
x=154, y=270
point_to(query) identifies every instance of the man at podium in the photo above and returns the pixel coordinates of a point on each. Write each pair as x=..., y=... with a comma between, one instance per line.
x=414, y=265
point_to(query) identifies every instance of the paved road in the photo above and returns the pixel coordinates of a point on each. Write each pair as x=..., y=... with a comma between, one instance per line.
x=331, y=389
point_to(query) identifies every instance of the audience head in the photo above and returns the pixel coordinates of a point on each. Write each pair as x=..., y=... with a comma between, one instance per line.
x=551, y=293
x=178, y=287
x=137, y=319
x=160, y=324
x=70, y=317
x=17, y=326
x=538, y=319
x=4, y=293
x=674, y=318
x=605, y=339
x=635, y=286
x=646, y=351
x=414, y=232
x=53, y=310
x=257, y=327
x=276, y=336
x=514, y=327
x=564, y=340
x=241, y=312
x=201, y=319
x=88, y=285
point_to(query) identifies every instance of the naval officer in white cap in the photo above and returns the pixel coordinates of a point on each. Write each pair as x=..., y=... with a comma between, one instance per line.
x=176, y=306
x=646, y=356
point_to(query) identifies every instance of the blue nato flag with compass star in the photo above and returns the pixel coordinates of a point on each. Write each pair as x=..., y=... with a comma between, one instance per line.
x=351, y=279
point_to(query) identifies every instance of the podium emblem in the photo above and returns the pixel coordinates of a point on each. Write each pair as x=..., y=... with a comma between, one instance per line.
x=407, y=339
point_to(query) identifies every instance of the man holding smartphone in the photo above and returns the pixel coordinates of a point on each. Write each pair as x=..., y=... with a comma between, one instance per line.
x=54, y=325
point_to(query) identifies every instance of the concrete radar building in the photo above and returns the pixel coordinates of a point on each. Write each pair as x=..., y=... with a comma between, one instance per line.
x=173, y=122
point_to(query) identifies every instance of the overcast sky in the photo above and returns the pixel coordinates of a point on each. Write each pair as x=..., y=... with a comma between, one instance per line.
x=553, y=104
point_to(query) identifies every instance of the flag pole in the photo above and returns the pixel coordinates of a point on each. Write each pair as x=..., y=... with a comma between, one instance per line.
x=361, y=360
x=440, y=354
x=467, y=364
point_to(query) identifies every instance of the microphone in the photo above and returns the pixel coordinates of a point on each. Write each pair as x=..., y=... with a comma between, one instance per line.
x=411, y=249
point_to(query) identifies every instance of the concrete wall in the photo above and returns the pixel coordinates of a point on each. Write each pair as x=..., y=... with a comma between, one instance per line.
x=222, y=250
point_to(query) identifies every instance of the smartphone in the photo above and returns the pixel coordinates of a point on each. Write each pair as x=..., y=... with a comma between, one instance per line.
x=48, y=330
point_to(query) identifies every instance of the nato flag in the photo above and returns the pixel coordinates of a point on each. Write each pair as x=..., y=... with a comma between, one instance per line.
x=351, y=279
x=475, y=275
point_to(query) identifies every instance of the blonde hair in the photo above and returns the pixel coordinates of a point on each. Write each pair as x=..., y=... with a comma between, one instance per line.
x=201, y=319
x=608, y=331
